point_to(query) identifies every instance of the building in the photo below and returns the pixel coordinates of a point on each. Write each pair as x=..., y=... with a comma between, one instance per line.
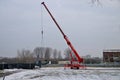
x=111, y=56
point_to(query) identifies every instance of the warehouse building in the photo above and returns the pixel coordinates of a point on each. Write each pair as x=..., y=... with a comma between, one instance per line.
x=111, y=56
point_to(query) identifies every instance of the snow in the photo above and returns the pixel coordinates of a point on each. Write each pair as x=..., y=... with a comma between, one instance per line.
x=64, y=74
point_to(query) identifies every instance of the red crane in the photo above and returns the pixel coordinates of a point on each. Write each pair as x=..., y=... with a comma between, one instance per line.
x=73, y=61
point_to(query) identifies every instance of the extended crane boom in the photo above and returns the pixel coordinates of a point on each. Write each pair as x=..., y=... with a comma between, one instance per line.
x=65, y=37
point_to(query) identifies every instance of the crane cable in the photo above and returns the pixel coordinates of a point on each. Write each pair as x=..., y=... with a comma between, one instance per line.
x=42, y=32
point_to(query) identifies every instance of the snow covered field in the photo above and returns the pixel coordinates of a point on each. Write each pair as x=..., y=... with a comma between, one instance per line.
x=61, y=74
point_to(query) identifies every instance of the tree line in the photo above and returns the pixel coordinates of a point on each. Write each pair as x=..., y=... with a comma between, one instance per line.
x=45, y=53
x=40, y=53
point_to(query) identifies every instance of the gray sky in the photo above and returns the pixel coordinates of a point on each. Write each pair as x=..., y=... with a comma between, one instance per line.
x=89, y=27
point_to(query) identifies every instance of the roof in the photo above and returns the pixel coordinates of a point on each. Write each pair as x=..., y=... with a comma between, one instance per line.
x=111, y=50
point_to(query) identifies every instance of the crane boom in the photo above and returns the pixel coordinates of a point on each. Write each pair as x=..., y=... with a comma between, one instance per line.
x=65, y=37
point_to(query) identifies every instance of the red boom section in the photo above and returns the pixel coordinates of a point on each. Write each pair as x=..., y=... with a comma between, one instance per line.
x=65, y=37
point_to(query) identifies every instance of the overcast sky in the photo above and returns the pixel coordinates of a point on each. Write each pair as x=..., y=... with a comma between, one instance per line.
x=90, y=27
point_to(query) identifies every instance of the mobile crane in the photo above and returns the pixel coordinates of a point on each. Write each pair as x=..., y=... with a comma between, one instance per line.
x=75, y=63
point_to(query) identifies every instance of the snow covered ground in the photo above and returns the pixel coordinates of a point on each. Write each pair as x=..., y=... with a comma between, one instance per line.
x=61, y=74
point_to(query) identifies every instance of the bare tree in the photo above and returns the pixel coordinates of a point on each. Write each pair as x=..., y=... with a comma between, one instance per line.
x=99, y=2
x=59, y=55
x=67, y=53
x=48, y=53
x=25, y=56
x=39, y=52
x=55, y=54
x=95, y=1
